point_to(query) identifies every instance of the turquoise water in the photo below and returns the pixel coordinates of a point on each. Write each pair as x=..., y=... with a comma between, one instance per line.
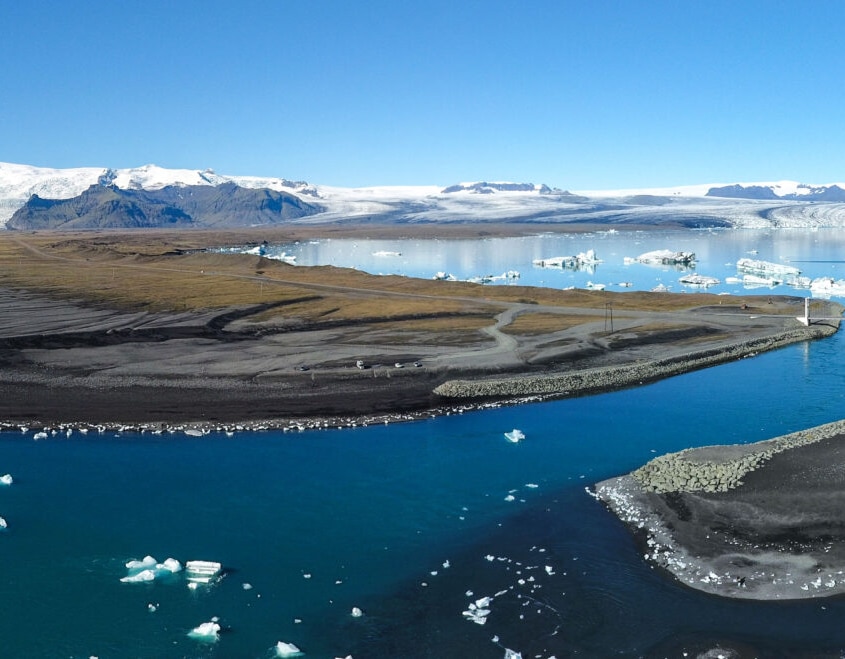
x=310, y=525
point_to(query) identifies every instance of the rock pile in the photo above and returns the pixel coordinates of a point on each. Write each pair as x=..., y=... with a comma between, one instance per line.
x=721, y=468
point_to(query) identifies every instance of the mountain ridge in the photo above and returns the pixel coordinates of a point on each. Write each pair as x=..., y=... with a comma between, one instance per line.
x=261, y=200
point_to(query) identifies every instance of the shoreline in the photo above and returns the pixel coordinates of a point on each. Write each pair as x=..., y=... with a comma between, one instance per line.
x=760, y=521
x=453, y=396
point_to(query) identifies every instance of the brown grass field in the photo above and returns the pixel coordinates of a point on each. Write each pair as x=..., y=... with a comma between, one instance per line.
x=130, y=325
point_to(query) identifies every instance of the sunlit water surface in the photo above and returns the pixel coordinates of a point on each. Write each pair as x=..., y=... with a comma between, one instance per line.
x=405, y=520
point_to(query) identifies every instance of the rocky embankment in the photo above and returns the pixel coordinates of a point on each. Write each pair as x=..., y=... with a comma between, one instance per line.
x=757, y=521
x=722, y=468
x=624, y=375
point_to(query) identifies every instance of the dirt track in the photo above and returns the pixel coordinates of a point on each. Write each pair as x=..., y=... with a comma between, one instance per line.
x=69, y=362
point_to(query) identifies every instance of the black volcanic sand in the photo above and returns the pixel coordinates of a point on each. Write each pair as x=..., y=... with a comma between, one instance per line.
x=66, y=362
x=779, y=535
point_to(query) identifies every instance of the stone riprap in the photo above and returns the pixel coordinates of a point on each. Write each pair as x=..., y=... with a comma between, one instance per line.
x=624, y=375
x=758, y=521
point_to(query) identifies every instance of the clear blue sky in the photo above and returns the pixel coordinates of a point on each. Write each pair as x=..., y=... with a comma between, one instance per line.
x=579, y=95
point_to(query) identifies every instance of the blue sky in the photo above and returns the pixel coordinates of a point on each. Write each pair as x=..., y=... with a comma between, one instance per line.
x=578, y=95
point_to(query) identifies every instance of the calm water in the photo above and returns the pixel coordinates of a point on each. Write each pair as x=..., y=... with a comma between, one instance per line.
x=310, y=525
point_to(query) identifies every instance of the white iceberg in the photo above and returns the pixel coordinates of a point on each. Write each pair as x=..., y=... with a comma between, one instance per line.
x=515, y=435
x=512, y=654
x=287, y=650
x=664, y=257
x=3, y=524
x=766, y=268
x=6, y=479
x=695, y=279
x=202, y=571
x=356, y=612
x=149, y=569
x=827, y=287
x=144, y=576
x=207, y=631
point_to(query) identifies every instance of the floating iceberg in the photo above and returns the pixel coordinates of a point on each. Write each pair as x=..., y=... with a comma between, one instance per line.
x=356, y=612
x=664, y=257
x=149, y=569
x=386, y=253
x=3, y=524
x=512, y=654
x=766, y=268
x=287, y=650
x=6, y=479
x=207, y=631
x=581, y=259
x=515, y=435
x=827, y=287
x=758, y=281
x=202, y=571
x=695, y=279
x=478, y=611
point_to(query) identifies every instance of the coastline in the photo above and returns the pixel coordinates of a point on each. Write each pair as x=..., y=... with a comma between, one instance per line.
x=200, y=405
x=760, y=521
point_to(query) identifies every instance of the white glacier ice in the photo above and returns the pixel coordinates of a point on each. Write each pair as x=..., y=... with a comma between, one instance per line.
x=207, y=631
x=6, y=479
x=287, y=650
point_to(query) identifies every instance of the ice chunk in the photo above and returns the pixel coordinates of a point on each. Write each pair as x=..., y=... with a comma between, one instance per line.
x=170, y=565
x=515, y=435
x=143, y=576
x=6, y=479
x=144, y=563
x=202, y=571
x=356, y=612
x=3, y=524
x=512, y=654
x=287, y=650
x=207, y=631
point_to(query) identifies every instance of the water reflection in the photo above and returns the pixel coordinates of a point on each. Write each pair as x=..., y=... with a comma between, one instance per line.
x=613, y=263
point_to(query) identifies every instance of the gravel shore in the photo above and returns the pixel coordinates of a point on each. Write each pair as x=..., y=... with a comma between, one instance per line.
x=759, y=521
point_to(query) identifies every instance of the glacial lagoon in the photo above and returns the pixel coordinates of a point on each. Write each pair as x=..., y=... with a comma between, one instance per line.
x=411, y=523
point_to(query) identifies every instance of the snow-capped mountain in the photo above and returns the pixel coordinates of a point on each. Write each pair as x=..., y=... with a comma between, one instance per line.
x=777, y=204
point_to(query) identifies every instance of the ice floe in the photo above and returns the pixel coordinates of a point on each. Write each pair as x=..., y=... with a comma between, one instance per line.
x=149, y=569
x=515, y=435
x=6, y=479
x=207, y=631
x=287, y=650
x=356, y=612
x=202, y=571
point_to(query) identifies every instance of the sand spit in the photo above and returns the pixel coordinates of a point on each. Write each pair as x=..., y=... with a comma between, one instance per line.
x=761, y=521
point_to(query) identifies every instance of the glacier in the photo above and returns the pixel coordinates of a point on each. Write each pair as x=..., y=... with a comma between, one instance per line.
x=787, y=204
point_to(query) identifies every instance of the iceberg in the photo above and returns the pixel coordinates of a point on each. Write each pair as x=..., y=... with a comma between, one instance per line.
x=149, y=569
x=694, y=279
x=207, y=631
x=287, y=650
x=356, y=612
x=144, y=576
x=827, y=287
x=766, y=268
x=577, y=261
x=202, y=571
x=6, y=479
x=664, y=257
x=515, y=435
x=3, y=524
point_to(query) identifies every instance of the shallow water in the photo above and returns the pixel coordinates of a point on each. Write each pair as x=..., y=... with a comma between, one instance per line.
x=319, y=522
